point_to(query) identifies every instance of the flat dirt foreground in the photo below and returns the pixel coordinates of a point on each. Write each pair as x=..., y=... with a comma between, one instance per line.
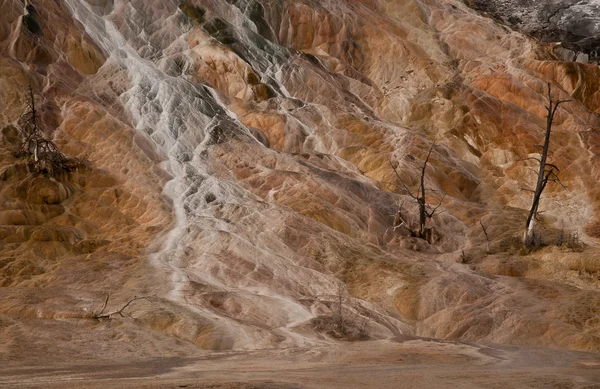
x=400, y=363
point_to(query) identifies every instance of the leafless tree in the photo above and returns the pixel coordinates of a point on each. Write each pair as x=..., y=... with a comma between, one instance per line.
x=346, y=323
x=425, y=211
x=44, y=154
x=547, y=171
x=30, y=126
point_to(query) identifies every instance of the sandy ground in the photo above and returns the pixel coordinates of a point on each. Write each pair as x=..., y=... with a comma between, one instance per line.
x=401, y=363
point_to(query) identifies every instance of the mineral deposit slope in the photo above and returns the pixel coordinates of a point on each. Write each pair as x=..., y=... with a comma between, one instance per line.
x=240, y=175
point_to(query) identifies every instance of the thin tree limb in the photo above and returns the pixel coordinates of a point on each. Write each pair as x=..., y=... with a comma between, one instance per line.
x=432, y=213
x=105, y=303
x=120, y=311
x=487, y=237
x=406, y=189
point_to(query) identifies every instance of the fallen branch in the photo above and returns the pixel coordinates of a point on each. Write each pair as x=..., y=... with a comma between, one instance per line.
x=102, y=315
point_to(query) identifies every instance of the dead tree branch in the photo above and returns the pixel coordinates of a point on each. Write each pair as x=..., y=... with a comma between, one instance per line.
x=108, y=315
x=487, y=237
x=405, y=187
x=399, y=220
x=105, y=303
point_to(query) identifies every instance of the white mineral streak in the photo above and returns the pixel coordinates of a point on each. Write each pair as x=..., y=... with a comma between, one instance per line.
x=178, y=116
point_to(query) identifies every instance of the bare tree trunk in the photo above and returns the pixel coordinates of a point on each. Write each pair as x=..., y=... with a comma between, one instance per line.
x=422, y=218
x=34, y=134
x=421, y=200
x=544, y=175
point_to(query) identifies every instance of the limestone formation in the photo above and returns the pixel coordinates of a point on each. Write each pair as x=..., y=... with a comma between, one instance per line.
x=239, y=173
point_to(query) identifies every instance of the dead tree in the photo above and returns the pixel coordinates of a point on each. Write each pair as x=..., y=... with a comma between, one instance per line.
x=547, y=171
x=108, y=315
x=425, y=211
x=30, y=126
x=348, y=323
x=44, y=154
x=339, y=315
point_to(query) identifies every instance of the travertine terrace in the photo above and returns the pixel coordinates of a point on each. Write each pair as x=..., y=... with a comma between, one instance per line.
x=239, y=174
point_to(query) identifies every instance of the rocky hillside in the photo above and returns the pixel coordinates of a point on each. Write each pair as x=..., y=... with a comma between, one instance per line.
x=241, y=175
x=572, y=23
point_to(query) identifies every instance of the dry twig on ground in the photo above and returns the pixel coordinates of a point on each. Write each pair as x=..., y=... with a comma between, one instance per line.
x=108, y=315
